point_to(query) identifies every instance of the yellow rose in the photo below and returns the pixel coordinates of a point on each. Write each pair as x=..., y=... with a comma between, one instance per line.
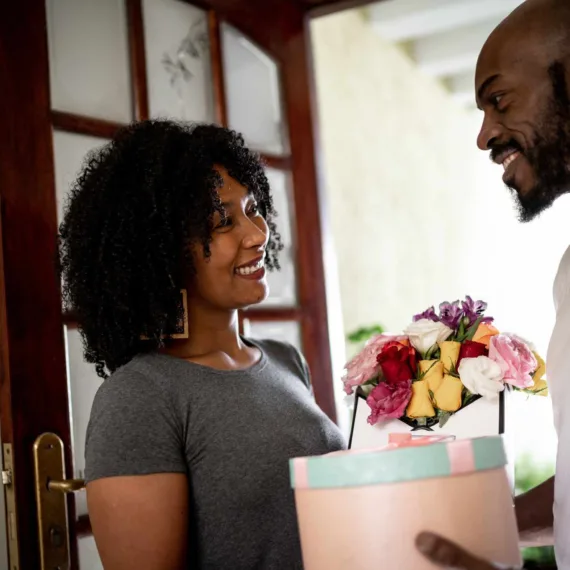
x=484, y=334
x=449, y=354
x=448, y=396
x=540, y=386
x=420, y=405
x=432, y=371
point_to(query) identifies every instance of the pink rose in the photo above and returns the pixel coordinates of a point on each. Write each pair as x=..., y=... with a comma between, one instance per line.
x=389, y=401
x=515, y=359
x=364, y=365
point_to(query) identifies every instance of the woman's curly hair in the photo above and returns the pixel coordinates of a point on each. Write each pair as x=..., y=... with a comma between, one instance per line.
x=132, y=215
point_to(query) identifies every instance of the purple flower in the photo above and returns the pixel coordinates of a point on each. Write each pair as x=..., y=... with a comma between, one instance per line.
x=450, y=314
x=429, y=314
x=473, y=310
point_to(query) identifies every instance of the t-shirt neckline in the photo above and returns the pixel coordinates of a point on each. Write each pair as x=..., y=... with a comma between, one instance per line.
x=254, y=368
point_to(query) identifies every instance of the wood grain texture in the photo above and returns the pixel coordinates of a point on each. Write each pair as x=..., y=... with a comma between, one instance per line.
x=35, y=348
x=216, y=61
x=81, y=125
x=137, y=59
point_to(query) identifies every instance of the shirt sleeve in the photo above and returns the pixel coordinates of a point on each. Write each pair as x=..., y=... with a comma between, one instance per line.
x=132, y=431
x=562, y=500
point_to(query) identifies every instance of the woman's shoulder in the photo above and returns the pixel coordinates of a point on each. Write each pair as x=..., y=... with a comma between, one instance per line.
x=277, y=349
x=284, y=355
x=145, y=377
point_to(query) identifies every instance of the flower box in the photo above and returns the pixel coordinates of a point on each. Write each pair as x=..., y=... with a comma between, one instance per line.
x=480, y=418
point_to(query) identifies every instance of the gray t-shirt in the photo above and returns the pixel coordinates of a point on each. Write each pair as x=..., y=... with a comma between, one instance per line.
x=232, y=433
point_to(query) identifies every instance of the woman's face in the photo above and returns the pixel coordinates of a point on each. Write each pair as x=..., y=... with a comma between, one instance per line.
x=233, y=277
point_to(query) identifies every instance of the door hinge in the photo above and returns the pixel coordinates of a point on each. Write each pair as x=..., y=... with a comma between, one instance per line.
x=8, y=482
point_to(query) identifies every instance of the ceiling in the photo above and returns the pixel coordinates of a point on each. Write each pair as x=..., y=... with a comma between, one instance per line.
x=443, y=37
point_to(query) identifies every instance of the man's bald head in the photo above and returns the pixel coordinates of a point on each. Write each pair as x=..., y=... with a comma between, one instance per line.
x=521, y=84
x=540, y=28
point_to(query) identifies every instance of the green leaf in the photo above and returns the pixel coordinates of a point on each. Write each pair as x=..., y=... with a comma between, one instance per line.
x=364, y=333
x=468, y=397
x=373, y=381
x=366, y=389
x=473, y=329
x=463, y=335
x=453, y=370
x=461, y=329
x=421, y=375
x=443, y=417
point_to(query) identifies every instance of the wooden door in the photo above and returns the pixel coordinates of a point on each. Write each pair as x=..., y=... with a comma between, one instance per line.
x=71, y=73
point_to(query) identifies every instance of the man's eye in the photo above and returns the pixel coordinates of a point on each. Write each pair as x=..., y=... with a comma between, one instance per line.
x=496, y=99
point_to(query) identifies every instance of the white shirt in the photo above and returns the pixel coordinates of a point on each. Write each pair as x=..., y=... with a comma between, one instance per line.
x=558, y=375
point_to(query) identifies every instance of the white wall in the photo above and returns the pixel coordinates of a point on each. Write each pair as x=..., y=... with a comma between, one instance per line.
x=397, y=167
x=418, y=214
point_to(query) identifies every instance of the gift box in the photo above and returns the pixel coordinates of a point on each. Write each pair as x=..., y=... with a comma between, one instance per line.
x=480, y=418
x=364, y=509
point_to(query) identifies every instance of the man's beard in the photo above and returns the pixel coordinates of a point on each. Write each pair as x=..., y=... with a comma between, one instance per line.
x=549, y=156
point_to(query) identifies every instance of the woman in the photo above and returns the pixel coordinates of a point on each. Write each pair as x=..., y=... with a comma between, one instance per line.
x=168, y=228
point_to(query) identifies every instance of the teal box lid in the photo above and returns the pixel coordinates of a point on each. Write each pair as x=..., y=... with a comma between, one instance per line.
x=393, y=465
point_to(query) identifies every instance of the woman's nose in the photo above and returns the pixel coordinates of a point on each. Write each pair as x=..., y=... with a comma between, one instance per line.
x=256, y=234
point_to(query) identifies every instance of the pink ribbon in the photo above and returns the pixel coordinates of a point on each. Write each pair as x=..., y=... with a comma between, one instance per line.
x=461, y=456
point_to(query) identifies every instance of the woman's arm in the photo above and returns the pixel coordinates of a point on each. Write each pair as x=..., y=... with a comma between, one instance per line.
x=140, y=521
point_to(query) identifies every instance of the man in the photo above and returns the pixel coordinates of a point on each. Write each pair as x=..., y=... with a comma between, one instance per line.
x=523, y=88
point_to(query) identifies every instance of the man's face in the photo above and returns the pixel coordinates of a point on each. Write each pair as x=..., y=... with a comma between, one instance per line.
x=526, y=123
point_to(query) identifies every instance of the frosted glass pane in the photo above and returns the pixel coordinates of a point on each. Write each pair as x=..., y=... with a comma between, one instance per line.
x=70, y=151
x=253, y=93
x=88, y=554
x=89, y=63
x=286, y=331
x=283, y=283
x=178, y=61
x=83, y=384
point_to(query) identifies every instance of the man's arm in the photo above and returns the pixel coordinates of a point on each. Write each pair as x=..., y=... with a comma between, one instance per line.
x=535, y=516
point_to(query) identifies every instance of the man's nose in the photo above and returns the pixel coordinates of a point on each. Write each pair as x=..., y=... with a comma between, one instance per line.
x=489, y=134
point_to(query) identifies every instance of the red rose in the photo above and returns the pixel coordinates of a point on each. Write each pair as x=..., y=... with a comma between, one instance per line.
x=471, y=349
x=398, y=362
x=389, y=401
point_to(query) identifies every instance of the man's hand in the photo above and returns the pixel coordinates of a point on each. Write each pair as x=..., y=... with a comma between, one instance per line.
x=446, y=554
x=534, y=515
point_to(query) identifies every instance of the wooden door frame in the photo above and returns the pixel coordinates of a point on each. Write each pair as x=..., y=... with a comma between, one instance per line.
x=316, y=8
x=32, y=352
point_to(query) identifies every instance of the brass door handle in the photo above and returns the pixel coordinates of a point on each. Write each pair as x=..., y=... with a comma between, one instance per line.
x=66, y=486
x=52, y=486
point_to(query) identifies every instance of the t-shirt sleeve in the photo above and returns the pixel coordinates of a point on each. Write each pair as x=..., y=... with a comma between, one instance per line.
x=291, y=358
x=132, y=431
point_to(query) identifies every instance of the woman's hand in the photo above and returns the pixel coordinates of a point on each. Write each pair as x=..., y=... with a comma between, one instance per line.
x=446, y=554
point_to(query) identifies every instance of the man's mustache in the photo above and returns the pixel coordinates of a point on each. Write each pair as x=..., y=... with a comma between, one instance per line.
x=500, y=148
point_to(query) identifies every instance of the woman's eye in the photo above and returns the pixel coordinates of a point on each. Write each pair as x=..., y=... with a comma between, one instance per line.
x=254, y=210
x=224, y=223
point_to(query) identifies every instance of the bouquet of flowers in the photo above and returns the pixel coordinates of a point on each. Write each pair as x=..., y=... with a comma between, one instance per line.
x=443, y=362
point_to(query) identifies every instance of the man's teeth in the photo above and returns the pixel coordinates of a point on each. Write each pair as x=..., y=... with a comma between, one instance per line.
x=510, y=159
x=250, y=268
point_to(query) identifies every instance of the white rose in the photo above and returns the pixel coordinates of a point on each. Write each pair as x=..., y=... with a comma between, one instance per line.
x=482, y=376
x=424, y=334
